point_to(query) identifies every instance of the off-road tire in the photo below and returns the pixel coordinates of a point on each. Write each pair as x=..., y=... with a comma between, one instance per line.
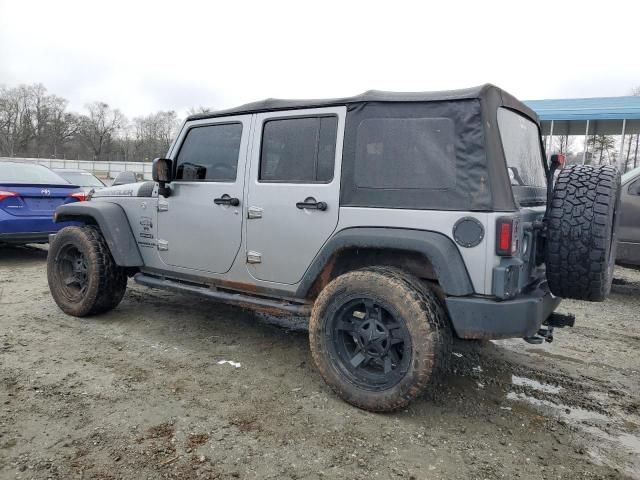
x=423, y=315
x=106, y=281
x=581, y=232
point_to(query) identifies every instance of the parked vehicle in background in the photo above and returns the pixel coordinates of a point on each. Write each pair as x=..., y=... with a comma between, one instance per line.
x=29, y=195
x=87, y=181
x=394, y=220
x=123, y=178
x=629, y=231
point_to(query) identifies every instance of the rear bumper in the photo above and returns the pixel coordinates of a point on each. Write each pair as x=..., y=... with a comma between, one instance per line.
x=482, y=318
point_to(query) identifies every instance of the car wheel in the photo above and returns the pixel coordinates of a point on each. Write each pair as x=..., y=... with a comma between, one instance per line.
x=83, y=277
x=581, y=232
x=379, y=337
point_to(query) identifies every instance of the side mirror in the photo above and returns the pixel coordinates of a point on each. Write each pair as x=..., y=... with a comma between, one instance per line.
x=162, y=172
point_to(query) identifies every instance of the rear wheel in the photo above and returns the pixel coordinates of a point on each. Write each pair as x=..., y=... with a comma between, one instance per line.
x=581, y=236
x=83, y=277
x=379, y=337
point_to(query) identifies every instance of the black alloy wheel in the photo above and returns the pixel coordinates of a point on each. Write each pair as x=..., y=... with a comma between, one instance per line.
x=371, y=343
x=379, y=336
x=72, y=271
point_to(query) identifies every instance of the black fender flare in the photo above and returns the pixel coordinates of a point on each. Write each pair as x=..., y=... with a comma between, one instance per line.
x=436, y=247
x=114, y=225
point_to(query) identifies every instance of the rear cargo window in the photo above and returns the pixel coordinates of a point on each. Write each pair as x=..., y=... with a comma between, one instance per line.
x=405, y=153
x=210, y=153
x=521, y=145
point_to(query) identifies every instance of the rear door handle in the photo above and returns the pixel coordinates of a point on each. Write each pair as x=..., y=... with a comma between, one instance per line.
x=227, y=200
x=312, y=204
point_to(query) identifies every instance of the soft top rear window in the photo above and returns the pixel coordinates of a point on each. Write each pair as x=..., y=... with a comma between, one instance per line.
x=523, y=153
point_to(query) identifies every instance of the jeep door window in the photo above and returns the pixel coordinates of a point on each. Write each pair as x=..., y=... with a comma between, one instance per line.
x=405, y=153
x=521, y=144
x=299, y=150
x=210, y=153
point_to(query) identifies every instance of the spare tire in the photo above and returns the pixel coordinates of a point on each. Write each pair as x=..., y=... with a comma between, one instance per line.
x=581, y=232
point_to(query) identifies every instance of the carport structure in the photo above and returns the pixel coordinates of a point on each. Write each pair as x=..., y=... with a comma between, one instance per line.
x=589, y=116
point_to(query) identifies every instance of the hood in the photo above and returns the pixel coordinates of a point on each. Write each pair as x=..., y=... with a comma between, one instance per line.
x=139, y=189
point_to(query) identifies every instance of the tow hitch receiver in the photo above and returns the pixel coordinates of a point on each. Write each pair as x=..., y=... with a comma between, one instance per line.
x=561, y=320
x=544, y=335
x=555, y=320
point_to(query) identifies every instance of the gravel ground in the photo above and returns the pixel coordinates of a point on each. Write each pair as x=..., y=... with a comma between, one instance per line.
x=144, y=392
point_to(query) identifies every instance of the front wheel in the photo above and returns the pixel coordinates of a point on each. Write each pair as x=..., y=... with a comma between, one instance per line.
x=379, y=337
x=83, y=277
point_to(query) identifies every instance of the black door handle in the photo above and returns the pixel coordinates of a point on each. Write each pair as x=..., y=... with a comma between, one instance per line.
x=227, y=200
x=312, y=204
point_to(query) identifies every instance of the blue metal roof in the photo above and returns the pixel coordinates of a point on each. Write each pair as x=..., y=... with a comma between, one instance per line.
x=599, y=108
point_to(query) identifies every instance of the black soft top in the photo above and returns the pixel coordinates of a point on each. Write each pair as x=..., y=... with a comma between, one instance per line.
x=487, y=93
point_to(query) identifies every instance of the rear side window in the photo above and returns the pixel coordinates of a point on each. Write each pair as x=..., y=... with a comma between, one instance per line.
x=405, y=153
x=210, y=153
x=299, y=150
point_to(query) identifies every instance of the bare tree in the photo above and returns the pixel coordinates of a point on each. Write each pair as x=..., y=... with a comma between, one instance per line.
x=15, y=119
x=563, y=144
x=63, y=126
x=36, y=123
x=200, y=109
x=99, y=127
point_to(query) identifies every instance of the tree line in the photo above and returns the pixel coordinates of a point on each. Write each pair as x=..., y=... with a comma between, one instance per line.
x=35, y=123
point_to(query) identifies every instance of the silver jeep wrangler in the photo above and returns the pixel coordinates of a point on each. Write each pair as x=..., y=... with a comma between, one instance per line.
x=396, y=221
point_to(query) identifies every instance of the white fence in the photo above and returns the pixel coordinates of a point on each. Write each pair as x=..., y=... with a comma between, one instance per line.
x=100, y=169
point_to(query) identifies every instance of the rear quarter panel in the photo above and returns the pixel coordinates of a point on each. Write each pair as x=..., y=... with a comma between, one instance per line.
x=475, y=258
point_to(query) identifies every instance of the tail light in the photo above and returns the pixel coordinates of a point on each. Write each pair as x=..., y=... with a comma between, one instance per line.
x=4, y=195
x=80, y=196
x=506, y=236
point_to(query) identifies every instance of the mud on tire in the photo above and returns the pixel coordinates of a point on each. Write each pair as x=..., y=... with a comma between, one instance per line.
x=83, y=277
x=581, y=235
x=379, y=300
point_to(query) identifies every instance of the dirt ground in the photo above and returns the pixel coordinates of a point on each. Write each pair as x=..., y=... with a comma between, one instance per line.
x=144, y=392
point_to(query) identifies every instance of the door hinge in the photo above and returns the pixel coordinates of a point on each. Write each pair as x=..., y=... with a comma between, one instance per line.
x=163, y=206
x=163, y=245
x=254, y=212
x=254, y=257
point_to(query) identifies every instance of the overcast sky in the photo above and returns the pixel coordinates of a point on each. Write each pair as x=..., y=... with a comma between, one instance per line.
x=145, y=56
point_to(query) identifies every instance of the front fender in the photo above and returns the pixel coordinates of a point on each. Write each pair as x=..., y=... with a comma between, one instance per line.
x=114, y=225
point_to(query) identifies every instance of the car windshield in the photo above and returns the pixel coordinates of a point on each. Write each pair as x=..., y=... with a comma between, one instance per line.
x=630, y=174
x=27, y=173
x=521, y=144
x=83, y=179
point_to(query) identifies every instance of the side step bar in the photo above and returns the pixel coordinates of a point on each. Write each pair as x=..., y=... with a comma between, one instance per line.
x=224, y=296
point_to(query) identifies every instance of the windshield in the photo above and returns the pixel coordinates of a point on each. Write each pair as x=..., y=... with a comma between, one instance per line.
x=27, y=173
x=521, y=144
x=630, y=174
x=83, y=179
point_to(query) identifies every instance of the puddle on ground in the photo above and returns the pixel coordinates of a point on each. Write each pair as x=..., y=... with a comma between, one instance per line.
x=534, y=384
x=559, y=409
x=581, y=418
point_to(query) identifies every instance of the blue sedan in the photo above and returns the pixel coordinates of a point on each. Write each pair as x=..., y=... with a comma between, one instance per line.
x=29, y=195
